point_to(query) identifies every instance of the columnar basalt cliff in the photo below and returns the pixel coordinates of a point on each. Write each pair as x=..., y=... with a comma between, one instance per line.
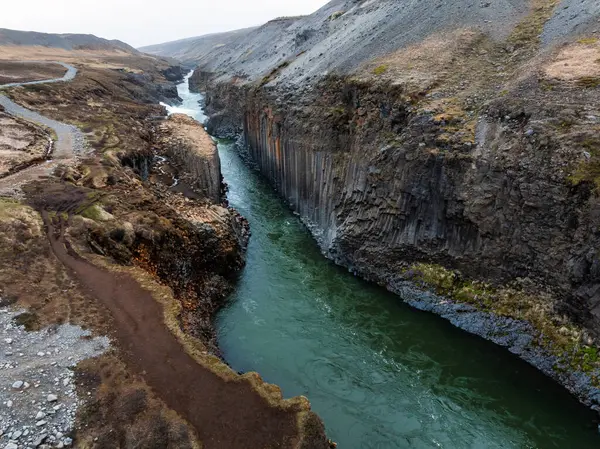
x=184, y=140
x=464, y=162
x=368, y=171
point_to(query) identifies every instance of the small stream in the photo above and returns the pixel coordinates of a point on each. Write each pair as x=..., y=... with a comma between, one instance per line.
x=380, y=374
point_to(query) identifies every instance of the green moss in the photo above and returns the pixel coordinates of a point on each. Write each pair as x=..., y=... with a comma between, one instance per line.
x=273, y=74
x=527, y=32
x=380, y=70
x=555, y=333
x=436, y=275
x=588, y=40
x=586, y=357
x=8, y=207
x=92, y=212
x=588, y=170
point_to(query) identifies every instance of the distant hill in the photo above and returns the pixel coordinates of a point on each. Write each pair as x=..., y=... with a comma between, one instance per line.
x=65, y=41
x=194, y=49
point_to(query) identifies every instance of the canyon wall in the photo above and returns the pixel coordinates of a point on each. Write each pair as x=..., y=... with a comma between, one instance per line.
x=184, y=140
x=383, y=184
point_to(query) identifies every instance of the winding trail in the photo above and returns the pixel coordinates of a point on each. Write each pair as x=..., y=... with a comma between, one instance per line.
x=70, y=141
x=226, y=414
x=68, y=76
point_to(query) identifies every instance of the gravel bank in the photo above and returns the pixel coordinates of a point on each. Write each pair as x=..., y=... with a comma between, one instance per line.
x=38, y=401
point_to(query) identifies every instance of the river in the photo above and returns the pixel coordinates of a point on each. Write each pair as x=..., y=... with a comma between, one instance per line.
x=380, y=374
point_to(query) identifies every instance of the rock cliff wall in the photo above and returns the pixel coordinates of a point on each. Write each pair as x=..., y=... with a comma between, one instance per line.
x=488, y=197
x=185, y=141
x=382, y=184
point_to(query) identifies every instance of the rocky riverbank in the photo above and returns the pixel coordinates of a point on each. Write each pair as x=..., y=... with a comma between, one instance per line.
x=471, y=173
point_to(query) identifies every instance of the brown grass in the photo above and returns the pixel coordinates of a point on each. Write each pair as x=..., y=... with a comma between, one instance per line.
x=527, y=33
x=30, y=274
x=92, y=58
x=20, y=143
x=124, y=412
x=575, y=62
x=20, y=72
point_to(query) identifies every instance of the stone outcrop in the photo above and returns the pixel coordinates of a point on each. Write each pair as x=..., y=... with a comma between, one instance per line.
x=185, y=141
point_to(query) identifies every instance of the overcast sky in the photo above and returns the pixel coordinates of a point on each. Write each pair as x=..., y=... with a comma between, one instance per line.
x=145, y=22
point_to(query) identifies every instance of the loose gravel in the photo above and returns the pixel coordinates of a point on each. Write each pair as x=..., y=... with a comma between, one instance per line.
x=38, y=401
x=572, y=17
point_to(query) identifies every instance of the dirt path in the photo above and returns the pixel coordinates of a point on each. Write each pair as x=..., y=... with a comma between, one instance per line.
x=69, y=144
x=224, y=414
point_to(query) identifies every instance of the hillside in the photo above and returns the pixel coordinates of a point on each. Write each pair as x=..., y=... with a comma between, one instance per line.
x=194, y=49
x=63, y=41
x=346, y=33
x=102, y=199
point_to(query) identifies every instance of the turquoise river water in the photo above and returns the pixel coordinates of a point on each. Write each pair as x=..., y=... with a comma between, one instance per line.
x=380, y=374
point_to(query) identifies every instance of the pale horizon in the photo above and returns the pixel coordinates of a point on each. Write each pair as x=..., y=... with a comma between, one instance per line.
x=142, y=23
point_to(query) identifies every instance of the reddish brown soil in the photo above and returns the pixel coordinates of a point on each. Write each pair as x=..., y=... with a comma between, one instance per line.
x=224, y=414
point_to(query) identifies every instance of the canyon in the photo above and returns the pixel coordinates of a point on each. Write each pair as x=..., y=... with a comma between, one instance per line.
x=458, y=156
x=241, y=256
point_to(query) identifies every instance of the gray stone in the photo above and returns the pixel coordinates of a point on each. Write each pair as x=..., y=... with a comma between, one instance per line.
x=39, y=440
